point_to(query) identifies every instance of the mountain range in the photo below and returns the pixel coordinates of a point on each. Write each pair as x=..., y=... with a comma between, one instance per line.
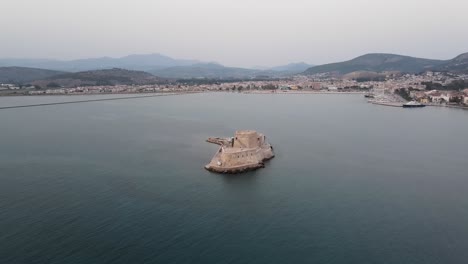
x=143, y=69
x=157, y=64
x=144, y=62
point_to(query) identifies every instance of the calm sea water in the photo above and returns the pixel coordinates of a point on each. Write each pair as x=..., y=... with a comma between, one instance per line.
x=123, y=182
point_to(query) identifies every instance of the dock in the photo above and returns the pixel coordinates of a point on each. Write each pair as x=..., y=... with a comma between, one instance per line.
x=392, y=104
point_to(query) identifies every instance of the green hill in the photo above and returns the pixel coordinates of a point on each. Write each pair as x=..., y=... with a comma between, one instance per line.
x=457, y=65
x=377, y=62
x=100, y=77
x=21, y=75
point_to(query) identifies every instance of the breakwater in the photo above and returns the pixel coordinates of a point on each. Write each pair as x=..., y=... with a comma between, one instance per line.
x=94, y=100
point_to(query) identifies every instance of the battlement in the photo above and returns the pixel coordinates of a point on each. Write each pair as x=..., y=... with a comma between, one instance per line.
x=248, y=139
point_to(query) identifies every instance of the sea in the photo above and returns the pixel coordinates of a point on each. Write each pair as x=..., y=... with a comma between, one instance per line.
x=123, y=181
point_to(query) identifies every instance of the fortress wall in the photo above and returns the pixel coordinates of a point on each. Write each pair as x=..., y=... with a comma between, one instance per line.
x=262, y=139
x=246, y=139
x=242, y=157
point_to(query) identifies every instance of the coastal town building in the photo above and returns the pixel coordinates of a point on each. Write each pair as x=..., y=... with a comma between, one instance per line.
x=420, y=97
x=427, y=88
x=438, y=97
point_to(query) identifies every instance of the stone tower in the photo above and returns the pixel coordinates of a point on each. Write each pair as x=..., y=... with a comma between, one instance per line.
x=247, y=139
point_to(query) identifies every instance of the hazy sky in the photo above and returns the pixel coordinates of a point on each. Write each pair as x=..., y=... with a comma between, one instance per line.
x=233, y=32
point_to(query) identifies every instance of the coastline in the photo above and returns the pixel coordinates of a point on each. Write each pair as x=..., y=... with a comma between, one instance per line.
x=302, y=92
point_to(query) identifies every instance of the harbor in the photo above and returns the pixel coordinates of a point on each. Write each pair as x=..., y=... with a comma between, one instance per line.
x=392, y=100
x=386, y=99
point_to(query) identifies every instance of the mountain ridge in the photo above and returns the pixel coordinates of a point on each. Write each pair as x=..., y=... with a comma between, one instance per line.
x=158, y=64
x=387, y=62
x=167, y=67
x=140, y=62
x=459, y=64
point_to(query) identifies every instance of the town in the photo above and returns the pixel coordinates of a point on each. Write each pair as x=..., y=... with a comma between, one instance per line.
x=431, y=88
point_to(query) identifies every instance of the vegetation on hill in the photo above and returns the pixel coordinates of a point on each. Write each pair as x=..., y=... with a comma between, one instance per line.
x=366, y=76
x=377, y=62
x=21, y=75
x=107, y=77
x=404, y=94
x=457, y=65
x=456, y=85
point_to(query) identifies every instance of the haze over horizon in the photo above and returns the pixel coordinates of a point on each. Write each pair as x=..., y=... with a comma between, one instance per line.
x=234, y=33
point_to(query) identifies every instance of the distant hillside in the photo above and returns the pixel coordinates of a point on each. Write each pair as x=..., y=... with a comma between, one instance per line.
x=365, y=76
x=292, y=67
x=21, y=75
x=131, y=62
x=378, y=62
x=457, y=65
x=208, y=70
x=99, y=77
x=218, y=71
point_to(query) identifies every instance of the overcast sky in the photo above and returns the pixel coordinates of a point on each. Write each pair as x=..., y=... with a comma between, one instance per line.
x=233, y=32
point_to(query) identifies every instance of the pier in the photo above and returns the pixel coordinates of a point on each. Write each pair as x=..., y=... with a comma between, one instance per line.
x=392, y=104
x=93, y=100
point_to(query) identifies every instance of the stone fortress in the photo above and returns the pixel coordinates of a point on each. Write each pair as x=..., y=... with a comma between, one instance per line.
x=247, y=150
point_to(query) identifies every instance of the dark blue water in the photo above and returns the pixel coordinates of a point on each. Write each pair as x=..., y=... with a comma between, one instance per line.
x=123, y=182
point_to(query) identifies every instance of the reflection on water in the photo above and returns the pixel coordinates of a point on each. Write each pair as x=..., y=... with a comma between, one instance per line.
x=123, y=182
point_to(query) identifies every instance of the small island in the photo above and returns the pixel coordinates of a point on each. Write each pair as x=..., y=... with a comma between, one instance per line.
x=247, y=150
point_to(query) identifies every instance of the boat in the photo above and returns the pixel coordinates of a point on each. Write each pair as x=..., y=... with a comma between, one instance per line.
x=413, y=104
x=369, y=96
